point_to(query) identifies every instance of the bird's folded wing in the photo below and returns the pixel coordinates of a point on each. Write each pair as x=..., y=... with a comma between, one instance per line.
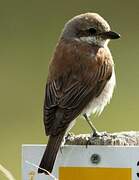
x=67, y=96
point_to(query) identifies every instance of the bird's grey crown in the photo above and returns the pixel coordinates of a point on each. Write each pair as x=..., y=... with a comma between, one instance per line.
x=84, y=22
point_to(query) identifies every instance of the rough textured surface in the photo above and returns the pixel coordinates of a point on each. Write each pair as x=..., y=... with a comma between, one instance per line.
x=130, y=138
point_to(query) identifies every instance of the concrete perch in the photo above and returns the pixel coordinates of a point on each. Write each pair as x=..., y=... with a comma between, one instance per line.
x=117, y=152
x=130, y=138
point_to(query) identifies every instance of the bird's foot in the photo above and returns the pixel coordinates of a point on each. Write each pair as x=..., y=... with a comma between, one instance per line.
x=94, y=137
x=62, y=145
x=68, y=135
x=96, y=134
x=99, y=134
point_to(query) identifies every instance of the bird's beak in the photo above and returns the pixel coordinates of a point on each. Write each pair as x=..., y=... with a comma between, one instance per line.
x=110, y=35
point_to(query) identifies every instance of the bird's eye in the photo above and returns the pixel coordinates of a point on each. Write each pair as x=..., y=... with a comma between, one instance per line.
x=91, y=31
x=87, y=32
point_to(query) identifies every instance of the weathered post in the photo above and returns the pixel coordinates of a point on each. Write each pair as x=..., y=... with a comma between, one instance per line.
x=110, y=156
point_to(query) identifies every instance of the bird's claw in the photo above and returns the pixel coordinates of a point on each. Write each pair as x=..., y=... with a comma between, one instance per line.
x=99, y=134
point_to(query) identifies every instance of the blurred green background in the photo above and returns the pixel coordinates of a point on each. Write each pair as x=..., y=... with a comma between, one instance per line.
x=29, y=30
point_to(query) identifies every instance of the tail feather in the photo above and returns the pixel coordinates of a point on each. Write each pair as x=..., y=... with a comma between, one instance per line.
x=50, y=153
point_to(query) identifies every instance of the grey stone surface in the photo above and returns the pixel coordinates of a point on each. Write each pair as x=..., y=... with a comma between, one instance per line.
x=130, y=138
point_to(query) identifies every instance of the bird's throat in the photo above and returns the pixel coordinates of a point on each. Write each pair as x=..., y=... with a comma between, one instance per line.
x=95, y=40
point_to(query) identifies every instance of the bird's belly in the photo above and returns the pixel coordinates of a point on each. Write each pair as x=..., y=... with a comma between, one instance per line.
x=97, y=104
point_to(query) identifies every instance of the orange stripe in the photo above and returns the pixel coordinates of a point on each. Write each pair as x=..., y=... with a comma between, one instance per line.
x=88, y=173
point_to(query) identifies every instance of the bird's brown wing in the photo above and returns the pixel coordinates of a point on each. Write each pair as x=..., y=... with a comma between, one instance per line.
x=69, y=94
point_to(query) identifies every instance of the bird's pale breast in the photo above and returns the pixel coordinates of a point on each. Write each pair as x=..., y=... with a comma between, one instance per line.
x=97, y=104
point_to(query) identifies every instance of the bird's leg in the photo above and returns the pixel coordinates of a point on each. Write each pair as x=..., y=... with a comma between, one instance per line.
x=64, y=140
x=95, y=132
x=62, y=145
x=69, y=134
x=61, y=148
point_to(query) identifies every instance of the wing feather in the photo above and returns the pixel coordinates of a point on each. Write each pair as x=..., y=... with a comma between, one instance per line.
x=67, y=96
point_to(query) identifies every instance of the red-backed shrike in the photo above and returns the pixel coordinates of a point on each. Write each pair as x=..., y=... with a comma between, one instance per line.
x=81, y=79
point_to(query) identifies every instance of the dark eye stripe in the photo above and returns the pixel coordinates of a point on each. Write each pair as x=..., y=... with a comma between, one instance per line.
x=87, y=32
x=92, y=31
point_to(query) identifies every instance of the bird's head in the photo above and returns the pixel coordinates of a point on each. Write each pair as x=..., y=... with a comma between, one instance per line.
x=90, y=28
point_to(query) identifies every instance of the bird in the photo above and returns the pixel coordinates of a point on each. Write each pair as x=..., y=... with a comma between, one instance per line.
x=80, y=81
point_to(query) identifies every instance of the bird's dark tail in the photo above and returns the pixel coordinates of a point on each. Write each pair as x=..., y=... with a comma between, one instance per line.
x=50, y=153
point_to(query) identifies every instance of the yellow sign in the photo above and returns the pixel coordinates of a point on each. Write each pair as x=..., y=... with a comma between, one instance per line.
x=89, y=173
